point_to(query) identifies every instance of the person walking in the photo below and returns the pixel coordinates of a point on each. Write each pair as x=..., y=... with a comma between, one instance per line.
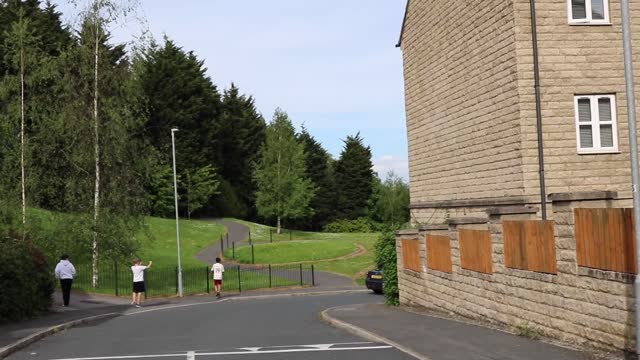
x=65, y=272
x=218, y=271
x=138, y=281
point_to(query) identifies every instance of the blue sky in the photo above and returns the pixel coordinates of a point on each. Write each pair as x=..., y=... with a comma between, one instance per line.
x=330, y=64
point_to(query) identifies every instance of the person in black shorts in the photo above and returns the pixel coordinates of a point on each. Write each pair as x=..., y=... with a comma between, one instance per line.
x=138, y=281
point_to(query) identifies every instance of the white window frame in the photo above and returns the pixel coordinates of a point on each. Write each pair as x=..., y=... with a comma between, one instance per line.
x=595, y=124
x=589, y=19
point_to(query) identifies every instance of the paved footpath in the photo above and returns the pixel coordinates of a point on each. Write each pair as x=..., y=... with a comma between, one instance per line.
x=434, y=338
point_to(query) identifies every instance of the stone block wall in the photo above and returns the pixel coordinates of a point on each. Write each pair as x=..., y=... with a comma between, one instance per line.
x=463, y=116
x=586, y=307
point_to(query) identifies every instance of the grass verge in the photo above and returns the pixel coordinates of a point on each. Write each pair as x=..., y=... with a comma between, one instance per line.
x=293, y=251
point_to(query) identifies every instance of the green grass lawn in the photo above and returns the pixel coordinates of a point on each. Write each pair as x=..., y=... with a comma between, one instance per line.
x=355, y=268
x=293, y=251
x=195, y=235
x=265, y=233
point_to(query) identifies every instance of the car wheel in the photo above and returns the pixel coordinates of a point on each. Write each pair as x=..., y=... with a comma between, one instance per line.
x=377, y=291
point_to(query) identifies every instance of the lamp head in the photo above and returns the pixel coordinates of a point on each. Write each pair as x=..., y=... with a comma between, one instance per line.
x=174, y=129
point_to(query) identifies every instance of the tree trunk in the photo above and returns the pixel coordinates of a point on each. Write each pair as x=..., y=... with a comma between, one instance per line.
x=278, y=229
x=96, y=147
x=22, y=177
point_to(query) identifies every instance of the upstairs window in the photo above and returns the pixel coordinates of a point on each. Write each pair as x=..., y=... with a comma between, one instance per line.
x=596, y=129
x=588, y=12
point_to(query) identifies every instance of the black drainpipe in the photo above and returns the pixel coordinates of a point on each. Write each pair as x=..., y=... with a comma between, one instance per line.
x=536, y=75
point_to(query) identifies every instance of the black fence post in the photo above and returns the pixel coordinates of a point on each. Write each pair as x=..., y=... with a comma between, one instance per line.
x=115, y=272
x=290, y=235
x=270, y=235
x=206, y=271
x=233, y=250
x=253, y=257
x=249, y=236
x=301, y=283
x=313, y=276
x=176, y=279
x=227, y=240
x=221, y=245
x=239, y=280
x=269, y=275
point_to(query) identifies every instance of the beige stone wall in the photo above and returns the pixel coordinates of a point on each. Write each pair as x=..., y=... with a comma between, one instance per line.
x=586, y=307
x=462, y=100
x=574, y=59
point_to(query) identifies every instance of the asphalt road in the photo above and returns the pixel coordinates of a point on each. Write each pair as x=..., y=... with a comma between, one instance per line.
x=269, y=328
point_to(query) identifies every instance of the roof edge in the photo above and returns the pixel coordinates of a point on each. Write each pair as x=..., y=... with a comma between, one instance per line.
x=404, y=20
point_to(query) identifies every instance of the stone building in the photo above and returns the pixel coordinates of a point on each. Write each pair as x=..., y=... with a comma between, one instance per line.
x=477, y=126
x=471, y=105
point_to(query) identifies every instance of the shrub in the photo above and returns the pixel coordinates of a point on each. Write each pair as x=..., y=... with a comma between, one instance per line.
x=359, y=225
x=386, y=260
x=26, y=279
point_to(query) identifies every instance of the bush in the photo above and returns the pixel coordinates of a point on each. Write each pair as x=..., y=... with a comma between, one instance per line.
x=26, y=279
x=386, y=260
x=359, y=225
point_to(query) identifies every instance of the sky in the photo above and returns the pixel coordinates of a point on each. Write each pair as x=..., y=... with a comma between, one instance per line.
x=330, y=64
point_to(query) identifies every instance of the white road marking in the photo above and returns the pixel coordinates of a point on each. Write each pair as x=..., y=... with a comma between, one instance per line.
x=191, y=355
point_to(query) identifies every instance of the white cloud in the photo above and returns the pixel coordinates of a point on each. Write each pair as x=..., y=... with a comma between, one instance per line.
x=386, y=163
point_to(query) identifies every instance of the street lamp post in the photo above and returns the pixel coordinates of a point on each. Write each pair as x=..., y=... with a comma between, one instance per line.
x=633, y=146
x=175, y=195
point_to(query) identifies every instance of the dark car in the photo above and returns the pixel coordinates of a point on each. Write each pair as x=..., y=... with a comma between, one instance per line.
x=374, y=281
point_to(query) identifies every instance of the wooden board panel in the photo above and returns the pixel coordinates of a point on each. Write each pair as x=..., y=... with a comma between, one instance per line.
x=411, y=254
x=476, y=250
x=530, y=245
x=439, y=253
x=605, y=240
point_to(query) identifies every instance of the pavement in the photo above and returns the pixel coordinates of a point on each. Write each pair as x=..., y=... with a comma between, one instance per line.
x=430, y=337
x=274, y=325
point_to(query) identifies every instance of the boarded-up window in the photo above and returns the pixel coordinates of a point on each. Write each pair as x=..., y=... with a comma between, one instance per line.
x=604, y=239
x=530, y=245
x=439, y=253
x=411, y=254
x=475, y=250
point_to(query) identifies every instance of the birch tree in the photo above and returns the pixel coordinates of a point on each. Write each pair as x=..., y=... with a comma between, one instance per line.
x=20, y=50
x=98, y=16
x=283, y=191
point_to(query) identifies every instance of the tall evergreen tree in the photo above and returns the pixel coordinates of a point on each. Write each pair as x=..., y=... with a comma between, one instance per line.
x=180, y=94
x=354, y=179
x=283, y=190
x=242, y=131
x=318, y=169
x=46, y=25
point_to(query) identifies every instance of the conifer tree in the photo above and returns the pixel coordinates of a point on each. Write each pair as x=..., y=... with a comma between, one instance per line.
x=242, y=131
x=354, y=179
x=318, y=168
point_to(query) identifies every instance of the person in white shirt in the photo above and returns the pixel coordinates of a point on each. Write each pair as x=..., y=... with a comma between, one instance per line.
x=218, y=271
x=138, y=281
x=65, y=272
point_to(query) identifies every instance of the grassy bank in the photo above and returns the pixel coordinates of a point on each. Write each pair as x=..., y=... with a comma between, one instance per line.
x=330, y=245
x=195, y=235
x=293, y=251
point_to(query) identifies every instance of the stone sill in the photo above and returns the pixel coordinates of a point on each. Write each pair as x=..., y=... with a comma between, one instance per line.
x=440, y=274
x=411, y=273
x=620, y=277
x=476, y=274
x=531, y=275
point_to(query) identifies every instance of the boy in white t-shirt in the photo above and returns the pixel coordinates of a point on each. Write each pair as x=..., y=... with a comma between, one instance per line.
x=218, y=271
x=138, y=281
